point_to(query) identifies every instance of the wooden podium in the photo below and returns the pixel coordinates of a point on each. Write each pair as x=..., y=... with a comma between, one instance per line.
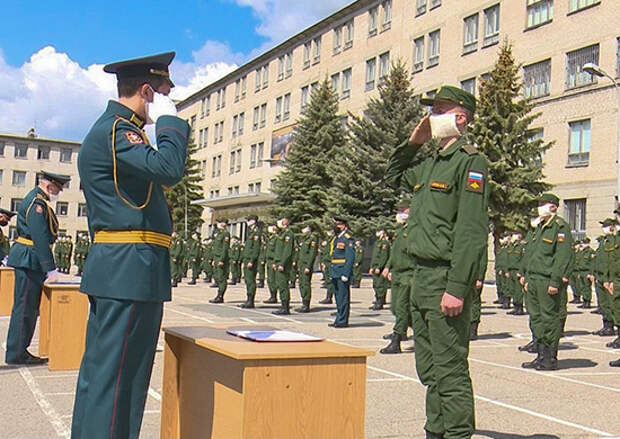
x=7, y=282
x=219, y=386
x=62, y=331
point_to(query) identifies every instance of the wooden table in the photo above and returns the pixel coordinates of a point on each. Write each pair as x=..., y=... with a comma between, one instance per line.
x=62, y=332
x=219, y=386
x=7, y=282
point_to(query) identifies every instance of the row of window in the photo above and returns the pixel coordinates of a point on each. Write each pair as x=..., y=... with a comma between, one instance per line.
x=257, y=151
x=19, y=179
x=422, y=5
x=579, y=142
x=62, y=207
x=253, y=188
x=20, y=151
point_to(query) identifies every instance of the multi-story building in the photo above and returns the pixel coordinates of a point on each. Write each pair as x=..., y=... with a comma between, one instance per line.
x=22, y=158
x=243, y=121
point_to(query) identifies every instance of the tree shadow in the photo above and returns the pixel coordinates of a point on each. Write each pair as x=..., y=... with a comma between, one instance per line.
x=498, y=435
x=487, y=313
x=365, y=325
x=575, y=363
x=572, y=313
x=498, y=336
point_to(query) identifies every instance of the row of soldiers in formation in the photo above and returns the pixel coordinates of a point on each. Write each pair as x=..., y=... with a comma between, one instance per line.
x=64, y=249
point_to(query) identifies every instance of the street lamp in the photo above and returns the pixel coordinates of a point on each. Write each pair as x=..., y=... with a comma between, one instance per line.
x=595, y=70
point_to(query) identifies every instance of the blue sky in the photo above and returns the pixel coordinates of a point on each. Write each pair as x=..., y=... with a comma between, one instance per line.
x=52, y=52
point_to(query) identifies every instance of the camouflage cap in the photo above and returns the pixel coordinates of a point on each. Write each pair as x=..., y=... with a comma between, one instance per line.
x=455, y=95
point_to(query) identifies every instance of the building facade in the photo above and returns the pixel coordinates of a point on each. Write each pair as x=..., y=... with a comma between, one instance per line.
x=22, y=158
x=242, y=122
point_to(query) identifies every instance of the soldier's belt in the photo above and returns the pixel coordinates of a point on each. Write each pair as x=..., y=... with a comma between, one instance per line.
x=132, y=237
x=339, y=261
x=25, y=241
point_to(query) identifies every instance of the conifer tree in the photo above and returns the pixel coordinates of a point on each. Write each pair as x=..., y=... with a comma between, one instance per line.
x=359, y=190
x=186, y=191
x=301, y=188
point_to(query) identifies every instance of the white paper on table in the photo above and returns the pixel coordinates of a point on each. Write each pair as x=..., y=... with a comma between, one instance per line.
x=273, y=335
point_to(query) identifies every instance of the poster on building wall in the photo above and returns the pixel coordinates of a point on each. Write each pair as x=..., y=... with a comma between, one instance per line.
x=281, y=142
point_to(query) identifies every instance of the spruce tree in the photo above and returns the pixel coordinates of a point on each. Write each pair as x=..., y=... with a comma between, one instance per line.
x=188, y=187
x=301, y=188
x=502, y=132
x=359, y=190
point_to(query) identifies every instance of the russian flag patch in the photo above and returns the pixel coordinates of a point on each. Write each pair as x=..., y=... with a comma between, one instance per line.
x=475, y=182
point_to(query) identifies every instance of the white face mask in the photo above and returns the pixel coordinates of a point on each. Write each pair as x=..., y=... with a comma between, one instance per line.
x=379, y=234
x=544, y=210
x=251, y=223
x=534, y=222
x=271, y=229
x=53, y=197
x=402, y=217
x=607, y=230
x=444, y=125
x=280, y=224
x=221, y=226
x=305, y=231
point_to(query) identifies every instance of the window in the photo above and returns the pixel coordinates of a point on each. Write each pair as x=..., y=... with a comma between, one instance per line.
x=418, y=54
x=384, y=65
x=289, y=64
x=213, y=167
x=1, y=174
x=287, y=106
x=491, y=25
x=373, y=15
x=81, y=209
x=346, y=83
x=317, y=51
x=244, y=86
x=241, y=123
x=258, y=84
x=536, y=135
x=21, y=151
x=250, y=188
x=337, y=40
x=65, y=155
x=237, y=89
x=2, y=144
x=265, y=76
x=307, y=50
x=238, y=161
x=223, y=97
x=62, y=208
x=278, y=109
x=579, y=148
x=281, y=68
x=15, y=203
x=313, y=87
x=205, y=140
x=230, y=190
x=233, y=155
x=253, y=156
x=203, y=169
x=200, y=138
x=263, y=115
x=387, y=14
x=537, y=79
x=255, y=114
x=575, y=76
x=470, y=34
x=305, y=91
x=371, y=72
x=576, y=5
x=539, y=12
x=235, y=124
x=435, y=4
x=19, y=178
x=576, y=217
x=192, y=122
x=204, y=107
x=335, y=82
x=43, y=153
x=469, y=85
x=259, y=154
x=433, y=48
x=348, y=35
x=420, y=7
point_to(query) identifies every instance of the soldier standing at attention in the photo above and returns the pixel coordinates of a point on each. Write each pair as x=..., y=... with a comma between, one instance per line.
x=380, y=257
x=357, y=264
x=221, y=258
x=447, y=236
x=31, y=256
x=123, y=178
x=532, y=346
x=585, y=273
x=476, y=304
x=262, y=260
x=283, y=262
x=293, y=273
x=601, y=276
x=5, y=246
x=272, y=240
x=341, y=270
x=235, y=261
x=68, y=254
x=515, y=256
x=308, y=248
x=325, y=252
x=546, y=281
x=251, y=253
x=207, y=259
x=58, y=253
x=195, y=257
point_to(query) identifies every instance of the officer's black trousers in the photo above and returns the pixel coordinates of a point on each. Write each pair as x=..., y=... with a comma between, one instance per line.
x=342, y=293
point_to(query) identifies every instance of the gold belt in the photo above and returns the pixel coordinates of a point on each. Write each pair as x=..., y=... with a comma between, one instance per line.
x=339, y=261
x=132, y=237
x=25, y=241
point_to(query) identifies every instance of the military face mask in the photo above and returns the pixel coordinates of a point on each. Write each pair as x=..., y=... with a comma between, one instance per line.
x=444, y=125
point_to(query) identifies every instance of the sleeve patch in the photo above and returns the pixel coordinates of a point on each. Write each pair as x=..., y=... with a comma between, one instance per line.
x=475, y=182
x=287, y=238
x=133, y=137
x=561, y=237
x=340, y=245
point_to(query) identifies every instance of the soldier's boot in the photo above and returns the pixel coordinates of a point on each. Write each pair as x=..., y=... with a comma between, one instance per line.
x=562, y=327
x=519, y=311
x=536, y=361
x=328, y=299
x=549, y=359
x=473, y=330
x=305, y=307
x=608, y=329
x=600, y=331
x=528, y=347
x=192, y=282
x=378, y=304
x=249, y=303
x=284, y=309
x=615, y=363
x=506, y=304
x=616, y=343
x=218, y=299
x=394, y=346
x=388, y=336
x=273, y=298
x=261, y=283
x=233, y=281
x=208, y=279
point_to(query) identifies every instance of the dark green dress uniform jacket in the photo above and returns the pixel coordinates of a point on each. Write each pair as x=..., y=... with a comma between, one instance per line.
x=449, y=220
x=285, y=247
x=36, y=221
x=141, y=174
x=308, y=249
x=551, y=254
x=343, y=255
x=221, y=248
x=252, y=249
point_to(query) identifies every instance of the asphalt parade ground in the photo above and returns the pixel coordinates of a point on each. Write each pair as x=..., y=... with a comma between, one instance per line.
x=580, y=400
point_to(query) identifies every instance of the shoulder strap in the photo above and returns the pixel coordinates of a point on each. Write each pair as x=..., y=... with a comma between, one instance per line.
x=469, y=149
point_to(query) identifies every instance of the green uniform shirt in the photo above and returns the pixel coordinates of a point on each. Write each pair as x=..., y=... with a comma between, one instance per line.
x=221, y=246
x=308, y=249
x=251, y=251
x=550, y=254
x=399, y=259
x=285, y=245
x=380, y=254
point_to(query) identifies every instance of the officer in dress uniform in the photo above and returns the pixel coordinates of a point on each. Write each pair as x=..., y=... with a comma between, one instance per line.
x=127, y=273
x=342, y=253
x=31, y=256
x=5, y=246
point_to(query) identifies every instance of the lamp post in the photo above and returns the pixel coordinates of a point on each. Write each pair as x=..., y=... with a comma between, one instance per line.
x=595, y=70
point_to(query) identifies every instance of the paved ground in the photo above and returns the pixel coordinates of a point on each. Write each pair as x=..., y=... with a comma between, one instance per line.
x=581, y=400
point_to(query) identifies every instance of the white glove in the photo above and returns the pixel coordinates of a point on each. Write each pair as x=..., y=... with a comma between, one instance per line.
x=5, y=261
x=52, y=276
x=161, y=106
x=344, y=278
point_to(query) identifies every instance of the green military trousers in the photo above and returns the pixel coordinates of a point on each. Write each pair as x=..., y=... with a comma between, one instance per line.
x=207, y=268
x=545, y=310
x=305, y=281
x=271, y=280
x=114, y=378
x=604, y=300
x=615, y=303
x=476, y=305
x=235, y=270
x=221, y=278
x=26, y=301
x=585, y=287
x=357, y=274
x=249, y=276
x=328, y=282
x=399, y=303
x=196, y=269
x=283, y=284
x=441, y=350
x=380, y=285
x=261, y=271
x=574, y=285
x=516, y=289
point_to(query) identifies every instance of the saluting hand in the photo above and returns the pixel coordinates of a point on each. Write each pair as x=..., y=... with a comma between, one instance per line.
x=422, y=133
x=552, y=291
x=451, y=306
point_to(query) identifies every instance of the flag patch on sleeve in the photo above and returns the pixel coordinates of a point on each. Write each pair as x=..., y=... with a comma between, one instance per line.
x=133, y=137
x=475, y=181
x=561, y=237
